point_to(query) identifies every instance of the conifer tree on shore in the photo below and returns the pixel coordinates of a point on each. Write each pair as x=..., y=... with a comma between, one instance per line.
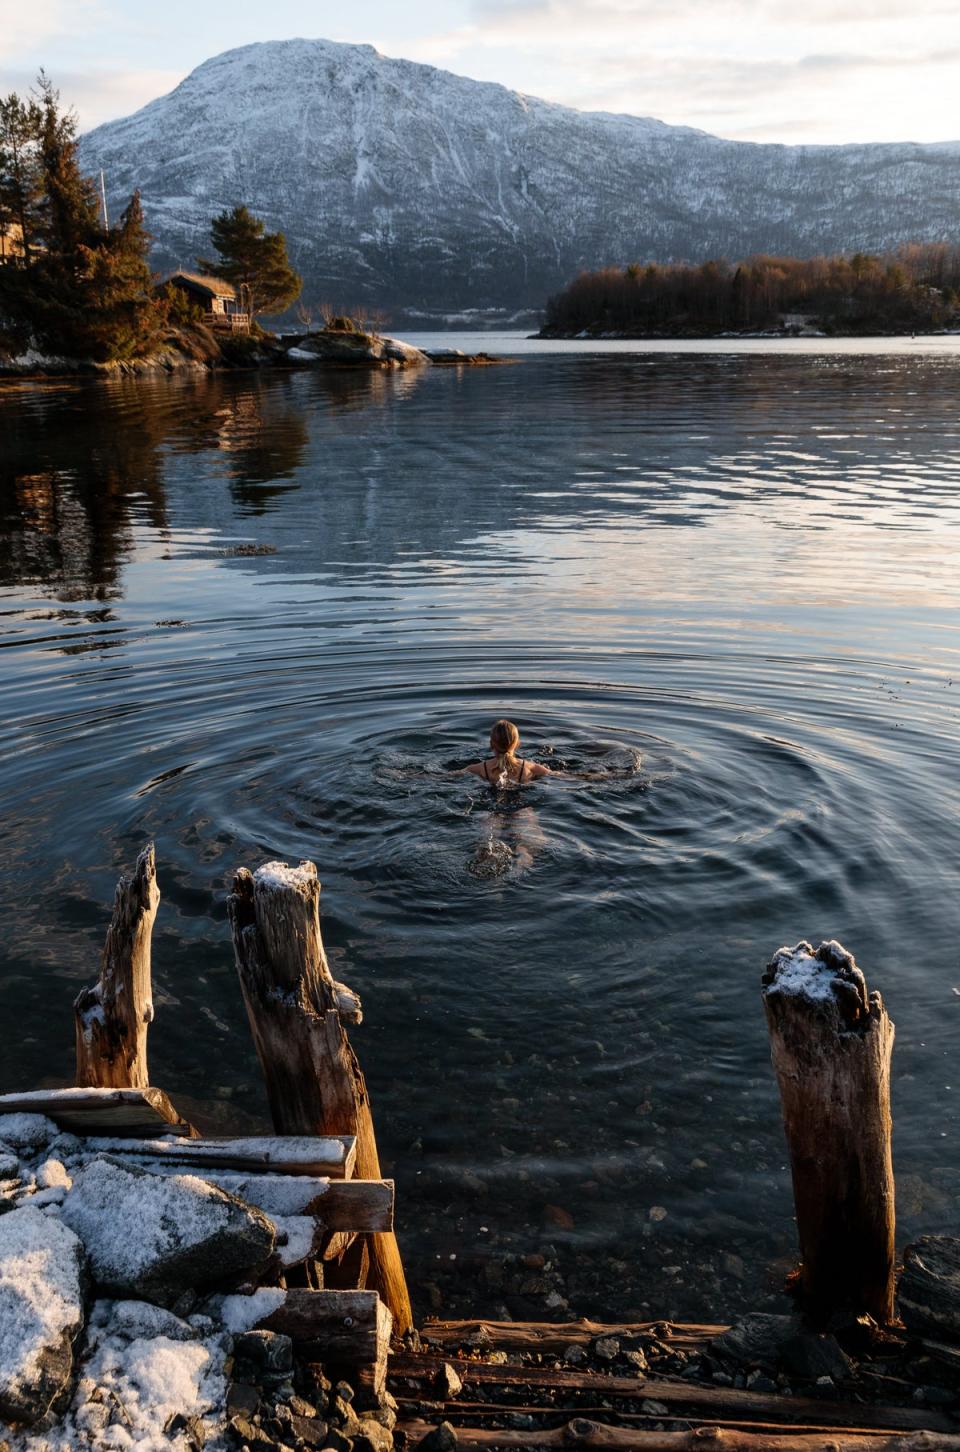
x=21, y=189
x=79, y=289
x=254, y=260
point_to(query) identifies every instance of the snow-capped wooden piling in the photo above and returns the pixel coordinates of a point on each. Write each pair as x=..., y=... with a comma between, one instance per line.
x=831, y=1044
x=296, y=1011
x=112, y=1016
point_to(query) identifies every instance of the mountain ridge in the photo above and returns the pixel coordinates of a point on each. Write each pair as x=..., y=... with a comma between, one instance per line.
x=403, y=185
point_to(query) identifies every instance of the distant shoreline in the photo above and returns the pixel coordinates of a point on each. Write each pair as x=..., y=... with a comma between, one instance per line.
x=608, y=335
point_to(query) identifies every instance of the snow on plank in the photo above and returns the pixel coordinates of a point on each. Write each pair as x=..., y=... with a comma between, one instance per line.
x=277, y=1154
x=118, y=1112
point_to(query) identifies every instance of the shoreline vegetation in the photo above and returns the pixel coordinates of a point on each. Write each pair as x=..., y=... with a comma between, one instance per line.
x=78, y=295
x=915, y=289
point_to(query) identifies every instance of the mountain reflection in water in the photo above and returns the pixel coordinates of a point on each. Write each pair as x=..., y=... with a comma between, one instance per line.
x=258, y=617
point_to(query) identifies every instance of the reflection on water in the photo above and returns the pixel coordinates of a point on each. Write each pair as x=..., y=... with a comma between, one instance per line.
x=259, y=617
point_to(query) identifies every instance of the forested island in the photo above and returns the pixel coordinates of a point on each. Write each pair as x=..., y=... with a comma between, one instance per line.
x=914, y=289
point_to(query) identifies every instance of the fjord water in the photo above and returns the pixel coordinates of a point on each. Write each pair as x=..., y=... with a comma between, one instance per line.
x=258, y=617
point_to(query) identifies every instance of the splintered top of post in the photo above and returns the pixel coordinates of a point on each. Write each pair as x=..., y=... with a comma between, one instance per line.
x=278, y=876
x=827, y=976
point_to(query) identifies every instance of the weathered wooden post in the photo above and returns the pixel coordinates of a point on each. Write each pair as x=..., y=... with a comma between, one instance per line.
x=831, y=1044
x=296, y=1012
x=113, y=1015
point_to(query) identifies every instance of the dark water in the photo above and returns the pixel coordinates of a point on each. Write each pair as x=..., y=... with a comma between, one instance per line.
x=739, y=572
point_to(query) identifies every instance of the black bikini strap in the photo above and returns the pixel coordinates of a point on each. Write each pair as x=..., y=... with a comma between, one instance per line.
x=486, y=774
x=523, y=765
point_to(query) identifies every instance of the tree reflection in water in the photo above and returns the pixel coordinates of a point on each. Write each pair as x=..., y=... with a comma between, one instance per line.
x=72, y=496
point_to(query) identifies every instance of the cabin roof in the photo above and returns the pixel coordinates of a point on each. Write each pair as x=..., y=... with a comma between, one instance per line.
x=201, y=282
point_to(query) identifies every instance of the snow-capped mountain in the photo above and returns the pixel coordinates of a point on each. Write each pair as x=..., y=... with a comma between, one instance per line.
x=404, y=185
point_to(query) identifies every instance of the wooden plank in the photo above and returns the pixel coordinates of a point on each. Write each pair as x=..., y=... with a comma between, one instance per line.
x=140, y=1113
x=311, y=1155
x=346, y=1323
x=349, y=1328
x=547, y=1336
x=352, y=1206
x=718, y=1400
x=584, y=1433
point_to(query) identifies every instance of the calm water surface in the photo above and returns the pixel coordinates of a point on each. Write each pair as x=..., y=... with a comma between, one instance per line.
x=726, y=583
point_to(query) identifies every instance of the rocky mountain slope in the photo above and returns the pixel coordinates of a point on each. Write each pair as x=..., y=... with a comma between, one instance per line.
x=402, y=185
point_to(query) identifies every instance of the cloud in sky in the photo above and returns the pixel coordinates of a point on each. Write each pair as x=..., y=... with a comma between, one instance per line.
x=829, y=70
x=25, y=24
x=756, y=69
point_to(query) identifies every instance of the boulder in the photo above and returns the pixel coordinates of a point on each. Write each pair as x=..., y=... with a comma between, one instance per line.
x=929, y=1292
x=41, y=1311
x=341, y=346
x=155, y=1236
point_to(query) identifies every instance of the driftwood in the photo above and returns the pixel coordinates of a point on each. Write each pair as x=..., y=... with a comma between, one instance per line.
x=723, y=1402
x=112, y=1017
x=563, y=1413
x=831, y=1044
x=548, y=1336
x=313, y=1080
x=584, y=1433
x=116, y=1112
x=280, y=1154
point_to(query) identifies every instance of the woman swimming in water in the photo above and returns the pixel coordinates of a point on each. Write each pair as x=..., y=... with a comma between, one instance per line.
x=505, y=767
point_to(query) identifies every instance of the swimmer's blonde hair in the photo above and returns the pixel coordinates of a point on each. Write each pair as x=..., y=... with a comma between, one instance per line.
x=505, y=738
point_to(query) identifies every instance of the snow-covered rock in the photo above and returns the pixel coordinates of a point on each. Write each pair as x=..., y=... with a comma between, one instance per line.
x=406, y=185
x=143, y=1374
x=41, y=1311
x=27, y=1131
x=156, y=1236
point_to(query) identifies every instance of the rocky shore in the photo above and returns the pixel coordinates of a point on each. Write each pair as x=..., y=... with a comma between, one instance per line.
x=199, y=350
x=131, y=1310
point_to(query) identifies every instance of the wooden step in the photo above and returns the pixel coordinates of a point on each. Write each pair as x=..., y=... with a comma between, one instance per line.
x=117, y=1112
x=335, y=1328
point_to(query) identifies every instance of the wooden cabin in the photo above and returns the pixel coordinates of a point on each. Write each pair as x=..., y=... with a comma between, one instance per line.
x=217, y=297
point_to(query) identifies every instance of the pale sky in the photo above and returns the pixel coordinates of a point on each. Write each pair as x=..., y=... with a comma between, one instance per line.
x=759, y=70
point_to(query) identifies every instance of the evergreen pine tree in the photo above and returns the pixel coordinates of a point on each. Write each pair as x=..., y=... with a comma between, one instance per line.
x=124, y=317
x=81, y=290
x=254, y=260
x=21, y=188
x=71, y=218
